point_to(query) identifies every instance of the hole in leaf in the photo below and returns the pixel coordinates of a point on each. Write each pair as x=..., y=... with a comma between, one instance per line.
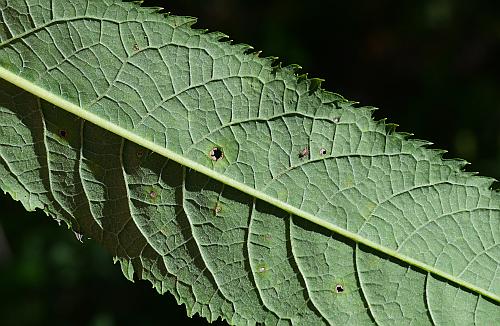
x=336, y=120
x=339, y=288
x=153, y=194
x=322, y=152
x=63, y=133
x=216, y=154
x=304, y=153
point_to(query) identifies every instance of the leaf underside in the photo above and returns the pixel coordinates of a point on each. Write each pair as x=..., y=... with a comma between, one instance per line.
x=244, y=190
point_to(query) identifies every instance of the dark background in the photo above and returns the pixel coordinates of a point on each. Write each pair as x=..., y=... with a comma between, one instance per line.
x=430, y=66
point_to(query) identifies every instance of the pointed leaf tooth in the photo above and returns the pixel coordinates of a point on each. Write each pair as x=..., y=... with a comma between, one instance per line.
x=293, y=68
x=302, y=78
x=404, y=135
x=421, y=142
x=218, y=36
x=459, y=163
x=276, y=68
x=439, y=152
x=331, y=97
x=390, y=128
x=187, y=21
x=314, y=85
x=257, y=53
x=243, y=48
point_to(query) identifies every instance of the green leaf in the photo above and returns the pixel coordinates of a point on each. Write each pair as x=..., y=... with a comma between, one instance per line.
x=243, y=189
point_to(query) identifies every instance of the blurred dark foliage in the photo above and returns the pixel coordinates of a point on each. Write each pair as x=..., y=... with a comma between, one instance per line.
x=431, y=66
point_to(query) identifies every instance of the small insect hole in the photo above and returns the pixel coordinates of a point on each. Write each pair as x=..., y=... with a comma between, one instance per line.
x=153, y=194
x=336, y=120
x=136, y=47
x=63, y=133
x=322, y=152
x=339, y=288
x=216, y=154
x=262, y=269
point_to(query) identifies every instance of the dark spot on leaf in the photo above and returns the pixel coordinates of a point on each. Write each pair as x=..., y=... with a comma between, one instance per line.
x=136, y=47
x=322, y=152
x=63, y=133
x=152, y=193
x=140, y=153
x=216, y=154
x=339, y=288
x=304, y=153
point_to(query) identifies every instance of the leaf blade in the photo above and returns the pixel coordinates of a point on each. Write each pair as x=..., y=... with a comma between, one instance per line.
x=358, y=205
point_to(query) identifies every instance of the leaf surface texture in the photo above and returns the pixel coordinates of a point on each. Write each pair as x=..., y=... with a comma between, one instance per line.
x=241, y=188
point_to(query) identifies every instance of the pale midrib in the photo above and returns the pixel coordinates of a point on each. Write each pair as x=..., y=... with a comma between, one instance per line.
x=120, y=131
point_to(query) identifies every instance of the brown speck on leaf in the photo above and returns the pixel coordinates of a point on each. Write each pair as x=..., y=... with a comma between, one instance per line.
x=136, y=47
x=217, y=209
x=63, y=133
x=304, y=153
x=153, y=194
x=140, y=153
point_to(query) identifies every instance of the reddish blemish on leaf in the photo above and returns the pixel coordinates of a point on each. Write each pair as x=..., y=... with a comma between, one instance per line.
x=304, y=153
